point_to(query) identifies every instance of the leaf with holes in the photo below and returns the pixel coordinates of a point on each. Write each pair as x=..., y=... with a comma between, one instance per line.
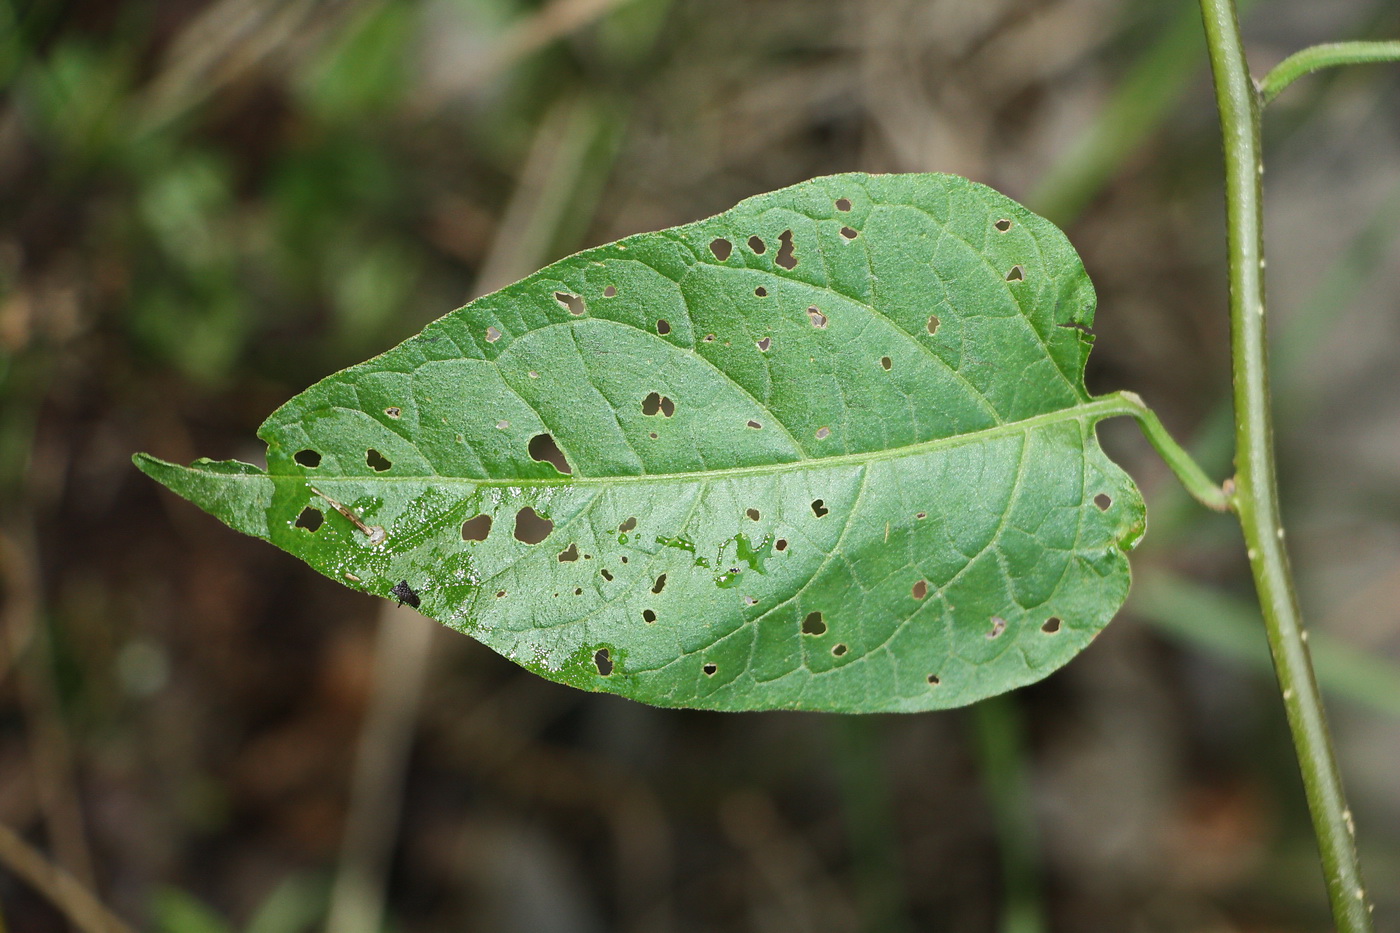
x=828, y=450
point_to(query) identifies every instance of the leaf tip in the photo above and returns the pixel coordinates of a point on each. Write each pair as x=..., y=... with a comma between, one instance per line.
x=214, y=485
x=157, y=469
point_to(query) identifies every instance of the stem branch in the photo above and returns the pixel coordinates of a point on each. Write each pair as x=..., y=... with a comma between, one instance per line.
x=1256, y=494
x=1317, y=57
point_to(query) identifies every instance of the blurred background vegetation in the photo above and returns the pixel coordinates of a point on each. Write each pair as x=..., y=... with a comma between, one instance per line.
x=206, y=205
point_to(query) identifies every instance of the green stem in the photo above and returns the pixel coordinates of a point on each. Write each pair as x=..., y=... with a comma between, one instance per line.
x=1256, y=494
x=1318, y=57
x=860, y=743
x=1227, y=626
x=999, y=734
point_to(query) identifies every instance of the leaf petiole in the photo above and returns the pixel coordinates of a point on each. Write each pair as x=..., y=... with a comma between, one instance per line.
x=1187, y=470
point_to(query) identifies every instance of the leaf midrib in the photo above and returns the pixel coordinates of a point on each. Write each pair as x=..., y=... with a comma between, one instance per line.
x=1098, y=408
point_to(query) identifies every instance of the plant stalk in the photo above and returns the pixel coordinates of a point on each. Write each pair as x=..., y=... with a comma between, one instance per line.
x=1256, y=491
x=1324, y=56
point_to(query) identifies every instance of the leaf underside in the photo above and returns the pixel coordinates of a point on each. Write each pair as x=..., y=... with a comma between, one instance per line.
x=829, y=450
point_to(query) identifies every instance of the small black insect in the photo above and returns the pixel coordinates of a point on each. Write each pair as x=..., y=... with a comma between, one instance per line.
x=404, y=594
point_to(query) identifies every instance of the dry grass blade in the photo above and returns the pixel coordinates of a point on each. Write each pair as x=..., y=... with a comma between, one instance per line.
x=77, y=903
x=50, y=749
x=534, y=32
x=228, y=41
x=381, y=764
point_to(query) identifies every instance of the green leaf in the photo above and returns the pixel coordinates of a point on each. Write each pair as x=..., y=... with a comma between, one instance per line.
x=828, y=450
x=175, y=911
